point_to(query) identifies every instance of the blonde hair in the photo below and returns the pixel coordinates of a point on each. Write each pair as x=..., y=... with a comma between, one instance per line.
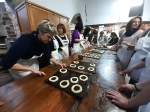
x=46, y=26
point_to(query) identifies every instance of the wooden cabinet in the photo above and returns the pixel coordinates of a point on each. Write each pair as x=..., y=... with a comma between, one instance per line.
x=30, y=14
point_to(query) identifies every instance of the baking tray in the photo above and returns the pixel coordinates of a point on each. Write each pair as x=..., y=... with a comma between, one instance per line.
x=100, y=47
x=88, y=55
x=67, y=76
x=97, y=51
x=85, y=64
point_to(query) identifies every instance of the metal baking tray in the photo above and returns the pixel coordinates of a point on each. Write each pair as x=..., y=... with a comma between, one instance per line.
x=88, y=55
x=66, y=76
x=85, y=64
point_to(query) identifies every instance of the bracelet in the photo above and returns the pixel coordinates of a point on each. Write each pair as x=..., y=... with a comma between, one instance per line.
x=136, y=87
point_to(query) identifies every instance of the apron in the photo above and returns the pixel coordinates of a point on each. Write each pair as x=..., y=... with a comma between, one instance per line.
x=56, y=46
x=33, y=63
x=76, y=47
x=65, y=47
x=142, y=48
x=82, y=43
x=123, y=53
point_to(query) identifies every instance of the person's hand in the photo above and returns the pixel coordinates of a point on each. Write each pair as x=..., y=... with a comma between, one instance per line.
x=119, y=46
x=118, y=99
x=127, y=87
x=72, y=50
x=60, y=64
x=1, y=103
x=128, y=70
x=65, y=54
x=83, y=40
x=38, y=72
x=125, y=43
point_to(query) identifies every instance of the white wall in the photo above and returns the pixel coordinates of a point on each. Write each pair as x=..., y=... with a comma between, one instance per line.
x=98, y=11
x=65, y=7
x=103, y=11
x=146, y=12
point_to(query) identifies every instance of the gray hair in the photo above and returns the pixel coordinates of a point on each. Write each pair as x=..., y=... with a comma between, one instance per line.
x=46, y=26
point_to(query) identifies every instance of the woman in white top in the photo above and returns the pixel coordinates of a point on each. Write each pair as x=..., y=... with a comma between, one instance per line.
x=83, y=44
x=63, y=41
x=142, y=48
x=130, y=38
x=142, y=99
x=102, y=38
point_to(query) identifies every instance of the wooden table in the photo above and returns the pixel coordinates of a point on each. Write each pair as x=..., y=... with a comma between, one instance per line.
x=31, y=94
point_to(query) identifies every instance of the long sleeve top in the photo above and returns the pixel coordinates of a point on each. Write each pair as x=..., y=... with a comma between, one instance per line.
x=25, y=47
x=113, y=41
x=75, y=35
x=132, y=39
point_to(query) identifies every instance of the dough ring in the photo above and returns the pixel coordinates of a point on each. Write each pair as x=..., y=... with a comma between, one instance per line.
x=98, y=55
x=76, y=88
x=76, y=62
x=83, y=55
x=64, y=83
x=91, y=69
x=63, y=70
x=88, y=56
x=101, y=51
x=74, y=79
x=53, y=78
x=83, y=78
x=87, y=53
x=92, y=64
x=81, y=67
x=72, y=65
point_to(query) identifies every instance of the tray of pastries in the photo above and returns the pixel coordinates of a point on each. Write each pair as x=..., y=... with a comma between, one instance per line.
x=92, y=55
x=70, y=81
x=83, y=66
x=97, y=51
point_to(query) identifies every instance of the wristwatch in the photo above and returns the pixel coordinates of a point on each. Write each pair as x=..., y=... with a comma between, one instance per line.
x=136, y=87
